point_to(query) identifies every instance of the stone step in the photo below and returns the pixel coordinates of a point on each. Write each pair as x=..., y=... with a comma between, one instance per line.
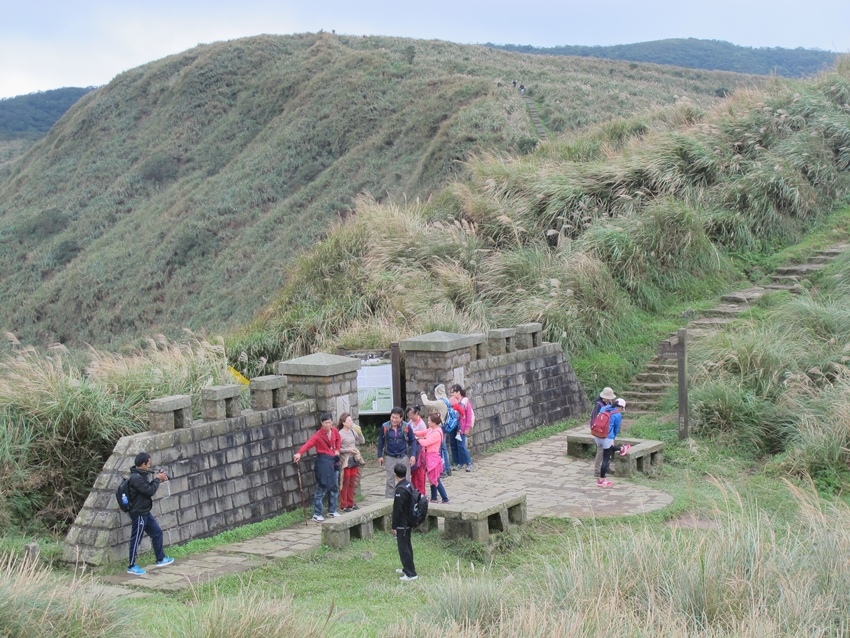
x=649, y=387
x=784, y=279
x=744, y=296
x=710, y=322
x=654, y=377
x=794, y=289
x=724, y=310
x=821, y=259
x=834, y=251
x=800, y=270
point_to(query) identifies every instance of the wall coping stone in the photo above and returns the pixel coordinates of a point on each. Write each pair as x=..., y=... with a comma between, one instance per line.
x=268, y=382
x=501, y=333
x=528, y=328
x=170, y=404
x=439, y=341
x=320, y=364
x=219, y=392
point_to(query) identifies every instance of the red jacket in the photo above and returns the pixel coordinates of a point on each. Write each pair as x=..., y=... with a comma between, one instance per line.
x=324, y=443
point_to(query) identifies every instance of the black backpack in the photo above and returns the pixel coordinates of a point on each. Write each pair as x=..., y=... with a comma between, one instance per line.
x=418, y=508
x=122, y=495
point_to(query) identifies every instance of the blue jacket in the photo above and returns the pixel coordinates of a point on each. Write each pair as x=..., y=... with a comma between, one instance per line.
x=615, y=421
x=400, y=442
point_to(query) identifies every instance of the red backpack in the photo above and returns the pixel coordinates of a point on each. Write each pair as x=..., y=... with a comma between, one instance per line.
x=601, y=423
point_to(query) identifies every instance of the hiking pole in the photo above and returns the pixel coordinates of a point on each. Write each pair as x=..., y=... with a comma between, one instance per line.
x=301, y=489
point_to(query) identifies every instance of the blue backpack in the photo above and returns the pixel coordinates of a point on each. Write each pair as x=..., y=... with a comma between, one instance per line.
x=452, y=417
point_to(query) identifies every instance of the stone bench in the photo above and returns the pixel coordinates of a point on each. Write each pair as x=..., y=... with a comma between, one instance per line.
x=645, y=456
x=361, y=523
x=477, y=520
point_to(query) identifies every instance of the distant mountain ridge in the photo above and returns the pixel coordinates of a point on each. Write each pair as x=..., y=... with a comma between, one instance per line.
x=694, y=53
x=31, y=116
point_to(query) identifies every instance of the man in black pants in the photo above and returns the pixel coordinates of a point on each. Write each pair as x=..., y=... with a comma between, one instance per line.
x=141, y=501
x=401, y=527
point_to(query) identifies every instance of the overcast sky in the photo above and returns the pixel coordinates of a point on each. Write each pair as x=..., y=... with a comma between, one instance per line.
x=50, y=44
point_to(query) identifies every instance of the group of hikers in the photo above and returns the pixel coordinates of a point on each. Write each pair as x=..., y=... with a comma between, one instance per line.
x=420, y=446
x=410, y=451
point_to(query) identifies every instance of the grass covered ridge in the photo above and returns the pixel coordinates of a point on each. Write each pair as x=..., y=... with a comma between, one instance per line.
x=177, y=195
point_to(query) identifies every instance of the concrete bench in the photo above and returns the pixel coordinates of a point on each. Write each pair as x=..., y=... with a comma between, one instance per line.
x=645, y=456
x=477, y=520
x=361, y=523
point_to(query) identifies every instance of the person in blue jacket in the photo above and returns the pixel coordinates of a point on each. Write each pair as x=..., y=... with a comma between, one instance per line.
x=607, y=444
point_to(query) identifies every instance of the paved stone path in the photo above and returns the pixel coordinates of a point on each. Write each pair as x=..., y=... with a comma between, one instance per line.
x=556, y=486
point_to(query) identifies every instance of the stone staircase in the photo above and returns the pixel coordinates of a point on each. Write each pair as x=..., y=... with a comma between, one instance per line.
x=535, y=118
x=646, y=391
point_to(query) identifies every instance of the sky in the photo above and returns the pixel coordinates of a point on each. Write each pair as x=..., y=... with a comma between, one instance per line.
x=47, y=44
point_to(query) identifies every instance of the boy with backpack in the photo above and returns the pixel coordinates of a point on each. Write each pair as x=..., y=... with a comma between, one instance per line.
x=605, y=428
x=139, y=493
x=401, y=528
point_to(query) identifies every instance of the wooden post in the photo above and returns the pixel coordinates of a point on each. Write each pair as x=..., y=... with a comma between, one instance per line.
x=676, y=348
x=395, y=358
x=682, y=360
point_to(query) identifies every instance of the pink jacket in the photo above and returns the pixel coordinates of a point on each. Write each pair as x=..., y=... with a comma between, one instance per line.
x=431, y=439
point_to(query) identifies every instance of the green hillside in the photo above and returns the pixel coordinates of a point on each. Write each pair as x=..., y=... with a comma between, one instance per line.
x=701, y=54
x=177, y=195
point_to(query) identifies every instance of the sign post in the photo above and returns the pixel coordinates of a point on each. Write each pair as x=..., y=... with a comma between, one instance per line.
x=676, y=348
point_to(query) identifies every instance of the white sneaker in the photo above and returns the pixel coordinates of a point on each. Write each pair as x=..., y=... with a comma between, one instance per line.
x=334, y=514
x=318, y=518
x=400, y=572
x=406, y=577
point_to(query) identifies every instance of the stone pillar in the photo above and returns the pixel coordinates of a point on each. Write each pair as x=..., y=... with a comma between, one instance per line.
x=170, y=413
x=528, y=335
x=500, y=341
x=437, y=357
x=221, y=402
x=268, y=392
x=329, y=379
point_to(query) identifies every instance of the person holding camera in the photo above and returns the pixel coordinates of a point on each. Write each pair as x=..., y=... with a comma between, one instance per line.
x=140, y=492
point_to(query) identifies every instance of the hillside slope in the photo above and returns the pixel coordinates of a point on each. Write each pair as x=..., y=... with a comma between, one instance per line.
x=176, y=195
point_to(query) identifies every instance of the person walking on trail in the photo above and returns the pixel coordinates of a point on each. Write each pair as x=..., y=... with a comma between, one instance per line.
x=140, y=492
x=417, y=470
x=607, y=444
x=396, y=444
x=350, y=436
x=431, y=440
x=460, y=439
x=402, y=497
x=441, y=404
x=605, y=398
x=327, y=442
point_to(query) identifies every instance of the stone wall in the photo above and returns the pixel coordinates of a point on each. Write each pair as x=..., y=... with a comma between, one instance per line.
x=515, y=381
x=227, y=470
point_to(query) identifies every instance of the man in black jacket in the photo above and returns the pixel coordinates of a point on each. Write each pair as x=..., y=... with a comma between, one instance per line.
x=401, y=526
x=141, y=492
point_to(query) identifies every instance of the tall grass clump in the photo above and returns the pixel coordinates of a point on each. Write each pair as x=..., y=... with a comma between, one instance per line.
x=746, y=575
x=36, y=603
x=60, y=420
x=247, y=614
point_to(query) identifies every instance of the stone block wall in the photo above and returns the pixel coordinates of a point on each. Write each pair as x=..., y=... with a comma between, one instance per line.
x=516, y=381
x=225, y=472
x=519, y=391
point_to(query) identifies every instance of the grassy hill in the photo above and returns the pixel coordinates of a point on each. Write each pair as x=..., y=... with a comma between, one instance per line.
x=178, y=195
x=31, y=116
x=701, y=54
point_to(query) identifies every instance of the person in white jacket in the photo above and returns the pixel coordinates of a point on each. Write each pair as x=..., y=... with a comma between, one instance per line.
x=440, y=405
